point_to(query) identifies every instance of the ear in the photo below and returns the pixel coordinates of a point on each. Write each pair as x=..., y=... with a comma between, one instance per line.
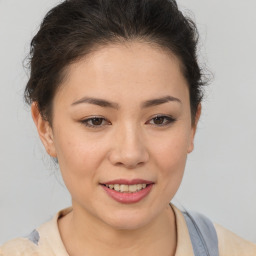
x=44, y=130
x=194, y=127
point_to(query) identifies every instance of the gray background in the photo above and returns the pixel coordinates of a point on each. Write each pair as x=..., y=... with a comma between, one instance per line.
x=221, y=172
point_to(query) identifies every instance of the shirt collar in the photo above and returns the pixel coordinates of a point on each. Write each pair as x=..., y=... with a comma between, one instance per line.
x=49, y=232
x=184, y=246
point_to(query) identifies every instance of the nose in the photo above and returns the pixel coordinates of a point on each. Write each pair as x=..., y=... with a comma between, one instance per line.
x=129, y=148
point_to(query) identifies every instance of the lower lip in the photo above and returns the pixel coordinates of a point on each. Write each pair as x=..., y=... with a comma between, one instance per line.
x=128, y=198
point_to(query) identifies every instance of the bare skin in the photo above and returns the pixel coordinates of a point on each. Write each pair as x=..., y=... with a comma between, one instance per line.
x=109, y=242
x=142, y=130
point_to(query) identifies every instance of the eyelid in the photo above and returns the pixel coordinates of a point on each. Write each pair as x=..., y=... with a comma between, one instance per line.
x=170, y=119
x=87, y=119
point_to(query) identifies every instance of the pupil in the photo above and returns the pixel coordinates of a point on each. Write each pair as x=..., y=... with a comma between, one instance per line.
x=97, y=121
x=159, y=120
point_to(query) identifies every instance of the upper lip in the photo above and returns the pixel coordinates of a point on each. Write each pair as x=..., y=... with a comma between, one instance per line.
x=128, y=182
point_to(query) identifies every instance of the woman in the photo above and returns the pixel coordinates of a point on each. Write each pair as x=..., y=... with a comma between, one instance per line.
x=115, y=94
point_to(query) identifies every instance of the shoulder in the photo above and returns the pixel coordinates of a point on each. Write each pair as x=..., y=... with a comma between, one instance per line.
x=18, y=247
x=231, y=244
x=43, y=241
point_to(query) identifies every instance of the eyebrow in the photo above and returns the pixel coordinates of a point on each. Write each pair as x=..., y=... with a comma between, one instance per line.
x=159, y=101
x=109, y=104
x=96, y=101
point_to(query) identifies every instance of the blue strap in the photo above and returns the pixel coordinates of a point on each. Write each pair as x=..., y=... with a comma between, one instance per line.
x=202, y=234
x=34, y=237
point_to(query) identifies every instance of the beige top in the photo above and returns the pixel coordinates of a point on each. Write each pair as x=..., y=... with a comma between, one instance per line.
x=49, y=242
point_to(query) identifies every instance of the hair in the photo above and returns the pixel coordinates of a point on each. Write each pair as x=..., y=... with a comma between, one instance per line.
x=74, y=28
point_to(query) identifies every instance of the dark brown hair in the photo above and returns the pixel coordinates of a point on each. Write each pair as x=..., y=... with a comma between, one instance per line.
x=74, y=28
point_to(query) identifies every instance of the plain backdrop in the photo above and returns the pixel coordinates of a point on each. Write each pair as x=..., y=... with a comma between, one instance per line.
x=220, y=178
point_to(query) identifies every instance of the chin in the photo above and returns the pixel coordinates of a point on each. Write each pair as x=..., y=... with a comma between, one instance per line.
x=128, y=220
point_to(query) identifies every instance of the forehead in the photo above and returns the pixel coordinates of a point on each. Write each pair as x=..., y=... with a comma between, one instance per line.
x=119, y=70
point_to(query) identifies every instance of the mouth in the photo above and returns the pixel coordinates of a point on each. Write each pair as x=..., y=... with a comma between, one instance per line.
x=123, y=188
x=125, y=191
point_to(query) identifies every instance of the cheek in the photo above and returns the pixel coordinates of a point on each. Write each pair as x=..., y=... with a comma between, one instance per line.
x=172, y=164
x=171, y=155
x=171, y=151
x=78, y=159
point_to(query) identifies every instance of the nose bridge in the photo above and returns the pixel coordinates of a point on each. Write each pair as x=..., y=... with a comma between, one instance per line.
x=129, y=147
x=130, y=138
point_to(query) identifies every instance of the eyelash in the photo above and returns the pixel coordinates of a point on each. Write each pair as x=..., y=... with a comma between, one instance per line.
x=86, y=122
x=169, y=120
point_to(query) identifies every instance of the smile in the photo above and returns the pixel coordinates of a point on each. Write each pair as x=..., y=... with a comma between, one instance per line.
x=128, y=191
x=123, y=188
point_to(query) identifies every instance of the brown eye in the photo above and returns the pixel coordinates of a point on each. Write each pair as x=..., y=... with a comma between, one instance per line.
x=162, y=120
x=95, y=122
x=159, y=120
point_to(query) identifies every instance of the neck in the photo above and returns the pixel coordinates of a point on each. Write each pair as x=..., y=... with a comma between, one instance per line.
x=83, y=234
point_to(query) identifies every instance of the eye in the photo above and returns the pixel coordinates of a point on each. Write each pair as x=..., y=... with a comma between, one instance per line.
x=95, y=122
x=161, y=120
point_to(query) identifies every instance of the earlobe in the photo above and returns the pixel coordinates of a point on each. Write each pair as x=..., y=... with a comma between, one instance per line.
x=194, y=127
x=44, y=130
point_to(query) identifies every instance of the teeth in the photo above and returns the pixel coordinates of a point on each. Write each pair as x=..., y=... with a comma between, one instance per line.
x=116, y=187
x=127, y=188
x=123, y=188
x=132, y=188
x=140, y=186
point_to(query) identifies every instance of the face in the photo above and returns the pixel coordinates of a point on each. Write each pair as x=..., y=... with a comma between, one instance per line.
x=122, y=117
